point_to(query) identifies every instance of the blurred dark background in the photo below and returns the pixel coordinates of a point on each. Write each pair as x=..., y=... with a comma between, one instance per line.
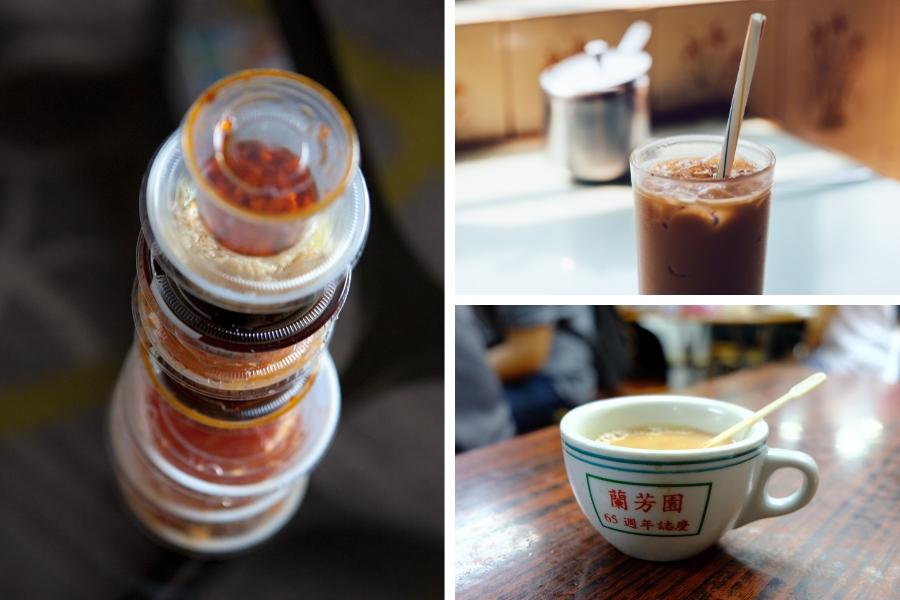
x=521, y=368
x=88, y=90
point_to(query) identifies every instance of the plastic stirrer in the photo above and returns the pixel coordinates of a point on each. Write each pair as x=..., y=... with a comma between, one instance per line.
x=741, y=92
x=798, y=390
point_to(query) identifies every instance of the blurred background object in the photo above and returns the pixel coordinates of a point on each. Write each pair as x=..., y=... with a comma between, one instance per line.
x=855, y=340
x=87, y=93
x=663, y=349
x=214, y=38
x=544, y=357
x=826, y=70
x=482, y=414
x=530, y=364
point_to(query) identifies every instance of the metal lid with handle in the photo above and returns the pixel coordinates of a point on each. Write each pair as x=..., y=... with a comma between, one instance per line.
x=600, y=68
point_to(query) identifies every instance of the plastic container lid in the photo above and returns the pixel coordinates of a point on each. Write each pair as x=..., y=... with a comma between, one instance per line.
x=226, y=410
x=187, y=251
x=267, y=113
x=238, y=331
x=321, y=406
x=171, y=497
x=258, y=531
x=266, y=149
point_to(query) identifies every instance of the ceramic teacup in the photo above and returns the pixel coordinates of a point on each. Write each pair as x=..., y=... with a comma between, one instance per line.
x=672, y=504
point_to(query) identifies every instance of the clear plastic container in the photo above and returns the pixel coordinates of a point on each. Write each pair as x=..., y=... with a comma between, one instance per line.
x=172, y=497
x=252, y=249
x=225, y=354
x=188, y=533
x=216, y=457
x=194, y=520
x=253, y=214
x=268, y=149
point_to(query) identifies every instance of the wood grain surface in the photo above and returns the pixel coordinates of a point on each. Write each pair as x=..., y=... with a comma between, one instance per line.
x=521, y=534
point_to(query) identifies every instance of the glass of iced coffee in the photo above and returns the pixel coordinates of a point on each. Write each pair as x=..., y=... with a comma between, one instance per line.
x=697, y=234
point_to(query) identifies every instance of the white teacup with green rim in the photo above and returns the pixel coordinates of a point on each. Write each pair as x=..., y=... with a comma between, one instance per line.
x=672, y=504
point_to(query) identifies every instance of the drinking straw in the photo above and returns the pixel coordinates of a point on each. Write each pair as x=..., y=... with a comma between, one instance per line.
x=741, y=91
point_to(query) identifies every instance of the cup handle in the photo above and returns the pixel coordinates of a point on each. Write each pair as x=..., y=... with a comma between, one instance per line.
x=761, y=505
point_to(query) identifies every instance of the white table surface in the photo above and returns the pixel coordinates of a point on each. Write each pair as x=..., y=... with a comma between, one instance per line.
x=524, y=227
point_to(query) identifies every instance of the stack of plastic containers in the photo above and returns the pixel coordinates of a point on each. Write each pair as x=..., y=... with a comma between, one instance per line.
x=252, y=214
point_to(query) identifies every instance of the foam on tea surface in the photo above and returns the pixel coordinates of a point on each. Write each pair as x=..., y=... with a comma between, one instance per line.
x=657, y=437
x=693, y=179
x=700, y=168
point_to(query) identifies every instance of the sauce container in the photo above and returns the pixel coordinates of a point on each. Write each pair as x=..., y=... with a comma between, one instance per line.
x=253, y=215
x=267, y=150
x=228, y=456
x=226, y=354
x=251, y=238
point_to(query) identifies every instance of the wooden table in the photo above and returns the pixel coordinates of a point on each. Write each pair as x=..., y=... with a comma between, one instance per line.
x=521, y=534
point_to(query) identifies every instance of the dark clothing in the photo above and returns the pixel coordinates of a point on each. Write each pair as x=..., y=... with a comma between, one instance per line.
x=534, y=402
x=482, y=415
x=570, y=366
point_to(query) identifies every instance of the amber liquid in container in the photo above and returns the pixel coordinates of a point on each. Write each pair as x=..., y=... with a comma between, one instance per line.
x=249, y=171
x=225, y=353
x=220, y=393
x=213, y=475
x=256, y=203
x=249, y=230
x=216, y=515
x=231, y=448
x=263, y=168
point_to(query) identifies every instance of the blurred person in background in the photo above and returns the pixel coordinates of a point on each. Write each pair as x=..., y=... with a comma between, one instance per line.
x=551, y=358
x=855, y=340
x=483, y=416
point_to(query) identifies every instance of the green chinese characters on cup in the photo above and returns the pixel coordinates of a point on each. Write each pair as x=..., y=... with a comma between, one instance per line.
x=671, y=504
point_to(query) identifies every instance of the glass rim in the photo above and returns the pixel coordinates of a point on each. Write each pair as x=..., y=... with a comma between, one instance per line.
x=718, y=139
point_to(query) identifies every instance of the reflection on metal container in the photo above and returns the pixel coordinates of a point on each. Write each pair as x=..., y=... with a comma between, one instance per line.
x=597, y=106
x=593, y=136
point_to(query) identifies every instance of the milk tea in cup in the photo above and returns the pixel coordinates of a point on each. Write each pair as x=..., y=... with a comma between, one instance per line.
x=658, y=437
x=669, y=504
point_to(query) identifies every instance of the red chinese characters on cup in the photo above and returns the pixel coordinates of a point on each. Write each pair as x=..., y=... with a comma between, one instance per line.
x=645, y=502
x=648, y=524
x=649, y=509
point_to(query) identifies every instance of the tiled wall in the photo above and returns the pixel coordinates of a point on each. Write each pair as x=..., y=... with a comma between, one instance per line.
x=828, y=70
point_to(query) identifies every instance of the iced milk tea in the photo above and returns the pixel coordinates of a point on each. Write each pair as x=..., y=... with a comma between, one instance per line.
x=697, y=234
